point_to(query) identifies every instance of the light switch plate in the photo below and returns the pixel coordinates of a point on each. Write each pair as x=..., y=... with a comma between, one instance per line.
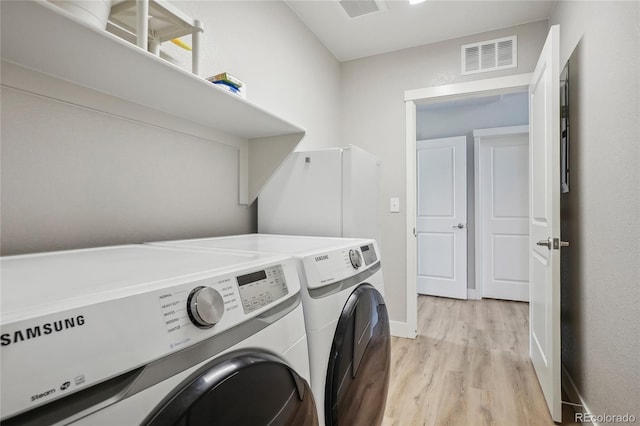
x=394, y=205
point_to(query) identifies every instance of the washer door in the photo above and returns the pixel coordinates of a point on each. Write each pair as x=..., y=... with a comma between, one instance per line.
x=242, y=388
x=358, y=371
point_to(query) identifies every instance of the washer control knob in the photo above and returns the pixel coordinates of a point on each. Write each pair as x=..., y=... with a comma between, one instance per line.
x=205, y=307
x=355, y=258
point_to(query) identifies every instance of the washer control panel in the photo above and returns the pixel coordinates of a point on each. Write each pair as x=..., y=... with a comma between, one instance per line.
x=205, y=303
x=260, y=288
x=369, y=254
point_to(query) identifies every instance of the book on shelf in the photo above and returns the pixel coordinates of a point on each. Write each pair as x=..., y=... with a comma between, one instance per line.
x=226, y=78
x=241, y=91
x=231, y=88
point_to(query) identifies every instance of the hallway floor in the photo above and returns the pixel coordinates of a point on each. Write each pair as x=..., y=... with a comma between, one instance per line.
x=469, y=365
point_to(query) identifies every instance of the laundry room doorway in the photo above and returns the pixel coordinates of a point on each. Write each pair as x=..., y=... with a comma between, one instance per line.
x=471, y=185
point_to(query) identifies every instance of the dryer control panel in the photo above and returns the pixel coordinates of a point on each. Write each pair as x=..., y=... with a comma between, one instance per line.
x=336, y=265
x=369, y=254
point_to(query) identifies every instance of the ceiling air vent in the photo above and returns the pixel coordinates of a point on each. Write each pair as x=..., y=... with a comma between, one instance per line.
x=355, y=8
x=490, y=55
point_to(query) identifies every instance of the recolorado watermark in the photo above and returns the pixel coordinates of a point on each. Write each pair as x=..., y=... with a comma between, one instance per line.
x=604, y=418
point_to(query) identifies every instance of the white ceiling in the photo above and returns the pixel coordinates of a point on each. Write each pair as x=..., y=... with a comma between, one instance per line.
x=403, y=25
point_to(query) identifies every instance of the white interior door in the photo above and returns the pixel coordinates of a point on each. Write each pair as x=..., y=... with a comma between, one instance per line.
x=544, y=248
x=503, y=195
x=441, y=220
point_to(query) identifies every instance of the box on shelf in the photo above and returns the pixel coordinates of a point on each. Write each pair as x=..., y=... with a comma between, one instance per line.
x=94, y=13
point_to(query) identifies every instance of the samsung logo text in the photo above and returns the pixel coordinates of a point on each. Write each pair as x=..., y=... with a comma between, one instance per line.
x=41, y=330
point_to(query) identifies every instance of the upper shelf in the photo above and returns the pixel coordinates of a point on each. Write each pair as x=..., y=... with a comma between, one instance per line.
x=40, y=36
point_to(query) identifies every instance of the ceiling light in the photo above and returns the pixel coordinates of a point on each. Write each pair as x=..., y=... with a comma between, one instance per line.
x=415, y=1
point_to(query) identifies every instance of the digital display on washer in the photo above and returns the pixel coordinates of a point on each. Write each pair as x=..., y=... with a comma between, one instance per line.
x=250, y=278
x=260, y=288
x=368, y=254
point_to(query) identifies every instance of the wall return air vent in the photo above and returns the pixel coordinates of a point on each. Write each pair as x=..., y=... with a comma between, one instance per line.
x=490, y=55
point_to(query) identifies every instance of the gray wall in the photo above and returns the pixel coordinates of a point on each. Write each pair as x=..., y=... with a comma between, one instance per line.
x=284, y=66
x=601, y=213
x=373, y=118
x=461, y=118
x=74, y=177
x=92, y=170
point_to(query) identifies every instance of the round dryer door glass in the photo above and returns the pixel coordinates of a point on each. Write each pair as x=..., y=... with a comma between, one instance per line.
x=242, y=388
x=358, y=371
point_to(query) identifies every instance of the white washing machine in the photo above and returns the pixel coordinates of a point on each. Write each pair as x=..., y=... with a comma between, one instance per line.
x=346, y=319
x=151, y=335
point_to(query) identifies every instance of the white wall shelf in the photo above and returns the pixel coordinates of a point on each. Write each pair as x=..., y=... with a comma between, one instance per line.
x=41, y=36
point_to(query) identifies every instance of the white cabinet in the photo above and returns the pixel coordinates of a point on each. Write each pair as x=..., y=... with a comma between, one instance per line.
x=328, y=192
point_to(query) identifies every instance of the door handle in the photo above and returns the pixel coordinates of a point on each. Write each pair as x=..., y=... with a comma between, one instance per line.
x=554, y=243
x=546, y=243
x=459, y=226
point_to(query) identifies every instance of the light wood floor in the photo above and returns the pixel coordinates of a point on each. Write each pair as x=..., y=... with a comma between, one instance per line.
x=469, y=365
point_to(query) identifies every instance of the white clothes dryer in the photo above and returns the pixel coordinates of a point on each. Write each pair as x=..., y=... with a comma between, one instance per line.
x=152, y=335
x=345, y=315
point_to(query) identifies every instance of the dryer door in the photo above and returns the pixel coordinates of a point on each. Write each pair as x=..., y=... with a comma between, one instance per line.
x=358, y=371
x=242, y=388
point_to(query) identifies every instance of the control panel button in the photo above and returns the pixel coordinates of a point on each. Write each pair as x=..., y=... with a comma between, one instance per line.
x=205, y=307
x=355, y=258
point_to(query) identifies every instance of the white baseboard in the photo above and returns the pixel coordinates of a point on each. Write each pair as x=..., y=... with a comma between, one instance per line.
x=573, y=394
x=401, y=329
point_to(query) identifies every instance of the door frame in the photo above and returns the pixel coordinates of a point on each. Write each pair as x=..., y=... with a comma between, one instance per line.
x=477, y=143
x=470, y=89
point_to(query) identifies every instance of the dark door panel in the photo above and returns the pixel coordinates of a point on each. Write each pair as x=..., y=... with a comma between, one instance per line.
x=243, y=388
x=358, y=370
